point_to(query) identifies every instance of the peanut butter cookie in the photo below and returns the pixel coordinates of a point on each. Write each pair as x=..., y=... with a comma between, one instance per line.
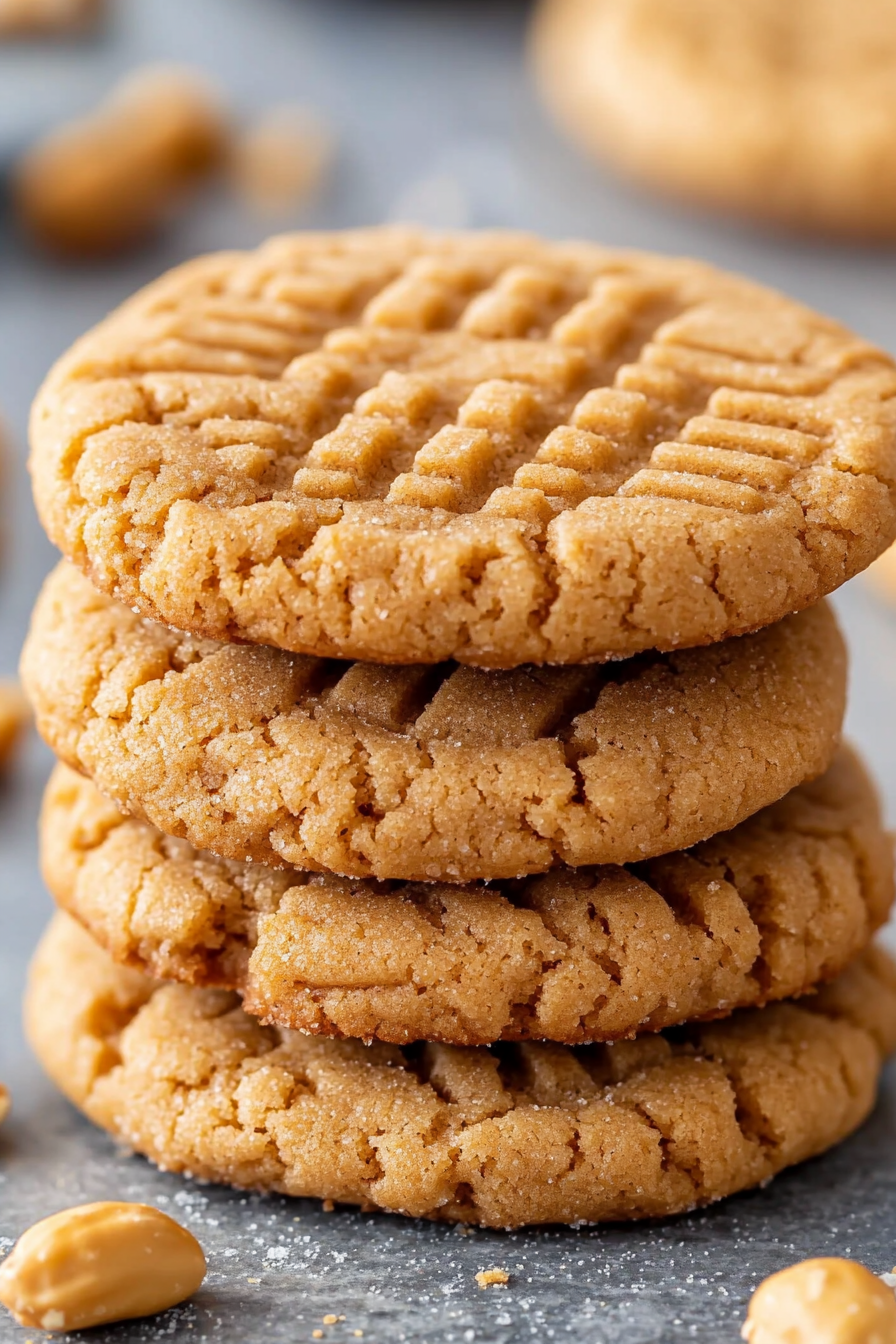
x=405, y=448
x=785, y=112
x=515, y=1134
x=764, y=912
x=447, y=773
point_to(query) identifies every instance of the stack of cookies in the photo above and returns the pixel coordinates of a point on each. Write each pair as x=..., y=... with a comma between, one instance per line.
x=448, y=716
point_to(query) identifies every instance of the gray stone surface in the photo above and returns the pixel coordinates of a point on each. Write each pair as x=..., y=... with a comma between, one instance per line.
x=436, y=121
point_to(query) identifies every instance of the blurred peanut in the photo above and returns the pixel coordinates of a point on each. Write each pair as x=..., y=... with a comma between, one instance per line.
x=19, y=17
x=99, y=1263
x=99, y=184
x=14, y=716
x=828, y=1301
x=4, y=1103
x=279, y=161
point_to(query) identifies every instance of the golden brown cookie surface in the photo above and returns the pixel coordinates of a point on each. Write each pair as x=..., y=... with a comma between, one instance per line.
x=783, y=112
x=448, y=773
x=405, y=448
x=516, y=1134
x=764, y=912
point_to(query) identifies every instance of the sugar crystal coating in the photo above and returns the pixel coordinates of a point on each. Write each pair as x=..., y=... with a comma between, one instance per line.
x=764, y=912
x=449, y=773
x=406, y=447
x=514, y=1134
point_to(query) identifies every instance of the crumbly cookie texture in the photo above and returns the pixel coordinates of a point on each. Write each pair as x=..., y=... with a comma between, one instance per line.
x=764, y=912
x=102, y=183
x=782, y=112
x=448, y=773
x=407, y=447
x=527, y=1133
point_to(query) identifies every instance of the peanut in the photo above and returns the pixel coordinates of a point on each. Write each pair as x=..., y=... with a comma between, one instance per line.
x=46, y=16
x=279, y=162
x=104, y=182
x=828, y=1301
x=99, y=1263
x=14, y=715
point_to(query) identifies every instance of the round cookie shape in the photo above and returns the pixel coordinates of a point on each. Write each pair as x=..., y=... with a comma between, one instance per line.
x=780, y=112
x=512, y=1135
x=406, y=447
x=429, y=774
x=764, y=912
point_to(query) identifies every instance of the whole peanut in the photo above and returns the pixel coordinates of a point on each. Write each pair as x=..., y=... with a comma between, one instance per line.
x=99, y=184
x=828, y=1301
x=99, y=1263
x=19, y=17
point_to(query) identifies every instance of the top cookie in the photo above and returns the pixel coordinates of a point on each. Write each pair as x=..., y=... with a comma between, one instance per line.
x=784, y=110
x=403, y=447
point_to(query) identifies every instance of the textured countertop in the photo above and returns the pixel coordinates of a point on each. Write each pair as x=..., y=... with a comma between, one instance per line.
x=436, y=122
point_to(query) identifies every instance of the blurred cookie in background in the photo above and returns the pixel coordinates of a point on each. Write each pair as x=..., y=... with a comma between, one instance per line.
x=26, y=18
x=279, y=161
x=101, y=183
x=782, y=112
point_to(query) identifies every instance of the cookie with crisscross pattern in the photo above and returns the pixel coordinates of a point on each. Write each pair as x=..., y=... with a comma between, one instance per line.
x=405, y=448
x=763, y=912
x=444, y=773
x=514, y=1134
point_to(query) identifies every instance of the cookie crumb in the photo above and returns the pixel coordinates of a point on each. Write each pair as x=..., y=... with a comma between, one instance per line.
x=328, y=1206
x=317, y=1334
x=486, y=1278
x=330, y=1319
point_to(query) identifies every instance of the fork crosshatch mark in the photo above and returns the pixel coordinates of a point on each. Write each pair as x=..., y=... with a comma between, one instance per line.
x=405, y=448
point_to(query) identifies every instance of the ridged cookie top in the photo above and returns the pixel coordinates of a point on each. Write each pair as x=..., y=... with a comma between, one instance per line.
x=515, y=1134
x=763, y=912
x=406, y=447
x=447, y=773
